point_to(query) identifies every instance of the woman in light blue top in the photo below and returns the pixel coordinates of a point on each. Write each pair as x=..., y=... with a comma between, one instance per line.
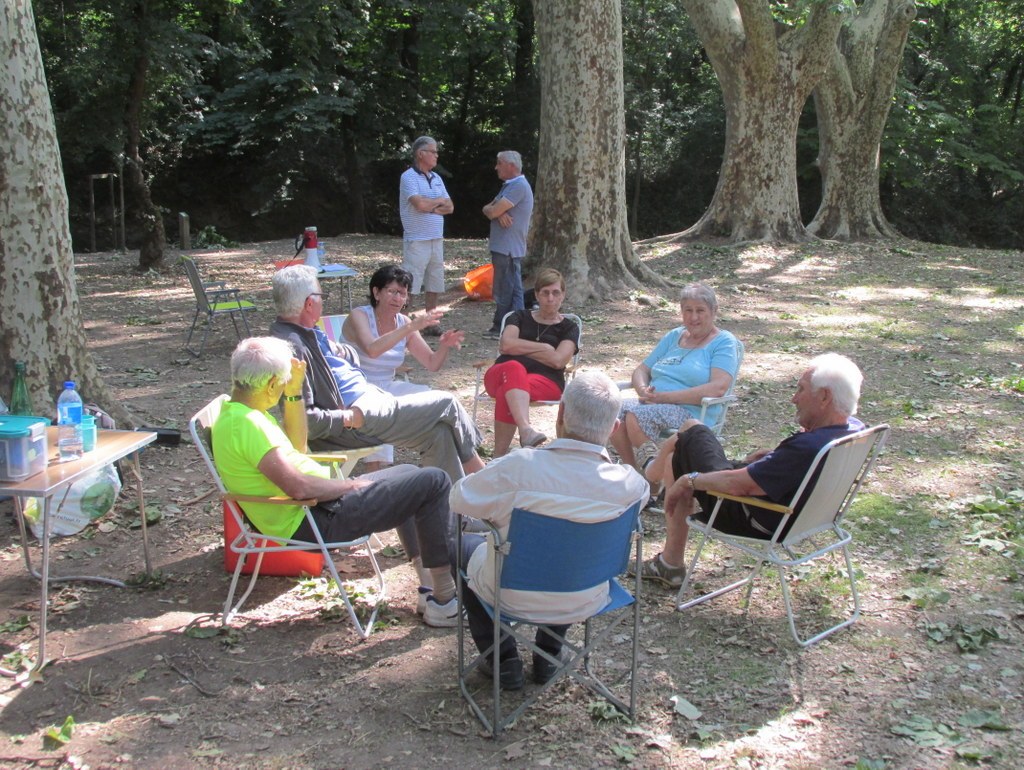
x=691, y=362
x=383, y=334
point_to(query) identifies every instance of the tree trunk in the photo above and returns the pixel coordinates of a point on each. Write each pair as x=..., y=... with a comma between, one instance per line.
x=41, y=319
x=356, y=205
x=154, y=240
x=766, y=71
x=579, y=223
x=852, y=103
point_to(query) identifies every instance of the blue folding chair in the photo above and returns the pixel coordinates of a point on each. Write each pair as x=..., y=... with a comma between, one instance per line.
x=543, y=553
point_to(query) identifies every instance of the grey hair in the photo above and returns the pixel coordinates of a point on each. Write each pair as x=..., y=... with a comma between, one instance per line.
x=702, y=293
x=292, y=286
x=420, y=143
x=841, y=376
x=513, y=157
x=590, y=407
x=257, y=359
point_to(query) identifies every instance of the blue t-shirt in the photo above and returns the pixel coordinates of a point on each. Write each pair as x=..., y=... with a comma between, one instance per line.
x=512, y=240
x=676, y=368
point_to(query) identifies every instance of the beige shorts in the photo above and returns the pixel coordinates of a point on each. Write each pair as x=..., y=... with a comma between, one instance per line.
x=425, y=260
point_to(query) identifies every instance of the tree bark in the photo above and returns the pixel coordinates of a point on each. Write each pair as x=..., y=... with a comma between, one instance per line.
x=852, y=103
x=766, y=71
x=579, y=222
x=154, y=239
x=41, y=318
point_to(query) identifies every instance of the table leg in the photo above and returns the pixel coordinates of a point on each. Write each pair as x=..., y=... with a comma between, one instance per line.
x=137, y=471
x=44, y=582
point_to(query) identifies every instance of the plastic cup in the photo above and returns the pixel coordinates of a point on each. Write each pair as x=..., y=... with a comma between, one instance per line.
x=88, y=432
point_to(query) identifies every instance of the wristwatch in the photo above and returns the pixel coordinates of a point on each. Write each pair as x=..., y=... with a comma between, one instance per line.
x=693, y=478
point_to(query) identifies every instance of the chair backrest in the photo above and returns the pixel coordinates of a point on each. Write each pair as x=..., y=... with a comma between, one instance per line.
x=331, y=326
x=833, y=480
x=201, y=428
x=557, y=555
x=192, y=271
x=719, y=424
x=574, y=363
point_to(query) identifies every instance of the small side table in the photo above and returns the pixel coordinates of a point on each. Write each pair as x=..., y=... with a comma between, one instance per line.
x=111, y=445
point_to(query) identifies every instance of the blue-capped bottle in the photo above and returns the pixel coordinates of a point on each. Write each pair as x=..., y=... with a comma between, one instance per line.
x=69, y=423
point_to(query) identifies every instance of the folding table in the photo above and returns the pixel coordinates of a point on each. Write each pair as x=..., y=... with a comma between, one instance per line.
x=51, y=484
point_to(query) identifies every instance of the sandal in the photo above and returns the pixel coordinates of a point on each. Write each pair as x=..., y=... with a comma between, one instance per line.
x=532, y=439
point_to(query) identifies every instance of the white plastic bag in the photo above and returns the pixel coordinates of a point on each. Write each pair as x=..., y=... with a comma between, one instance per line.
x=87, y=499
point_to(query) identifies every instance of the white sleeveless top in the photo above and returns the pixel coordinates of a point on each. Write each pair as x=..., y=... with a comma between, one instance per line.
x=380, y=371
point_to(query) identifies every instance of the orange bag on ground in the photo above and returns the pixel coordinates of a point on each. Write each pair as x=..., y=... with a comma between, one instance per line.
x=479, y=282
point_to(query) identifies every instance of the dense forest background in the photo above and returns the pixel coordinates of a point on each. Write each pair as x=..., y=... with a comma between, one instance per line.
x=261, y=117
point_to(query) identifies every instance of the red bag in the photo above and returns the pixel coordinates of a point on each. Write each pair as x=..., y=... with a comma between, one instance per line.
x=479, y=282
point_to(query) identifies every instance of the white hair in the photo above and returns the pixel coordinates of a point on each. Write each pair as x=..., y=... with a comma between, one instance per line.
x=513, y=157
x=292, y=287
x=841, y=376
x=590, y=407
x=257, y=359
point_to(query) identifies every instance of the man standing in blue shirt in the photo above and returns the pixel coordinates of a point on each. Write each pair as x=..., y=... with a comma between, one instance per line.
x=693, y=463
x=423, y=203
x=510, y=213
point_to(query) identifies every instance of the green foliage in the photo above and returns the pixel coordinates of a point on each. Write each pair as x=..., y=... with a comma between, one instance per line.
x=55, y=738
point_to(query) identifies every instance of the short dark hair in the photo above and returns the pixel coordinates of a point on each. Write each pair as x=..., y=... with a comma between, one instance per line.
x=389, y=274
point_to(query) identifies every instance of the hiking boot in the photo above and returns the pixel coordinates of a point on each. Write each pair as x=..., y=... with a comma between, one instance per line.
x=544, y=669
x=437, y=615
x=510, y=672
x=655, y=569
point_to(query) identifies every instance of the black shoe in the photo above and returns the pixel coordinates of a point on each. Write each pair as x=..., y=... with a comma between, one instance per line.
x=544, y=669
x=510, y=673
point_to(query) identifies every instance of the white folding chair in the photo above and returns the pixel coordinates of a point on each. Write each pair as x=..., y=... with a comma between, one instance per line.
x=718, y=424
x=816, y=510
x=250, y=542
x=479, y=394
x=548, y=554
x=214, y=299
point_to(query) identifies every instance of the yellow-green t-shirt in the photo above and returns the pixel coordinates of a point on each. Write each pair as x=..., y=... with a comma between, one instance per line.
x=241, y=438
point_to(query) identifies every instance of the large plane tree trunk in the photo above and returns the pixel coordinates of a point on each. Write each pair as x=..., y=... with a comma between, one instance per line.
x=40, y=318
x=767, y=72
x=579, y=223
x=852, y=103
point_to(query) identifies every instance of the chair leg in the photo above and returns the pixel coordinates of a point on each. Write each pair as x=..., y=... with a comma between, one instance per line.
x=229, y=610
x=363, y=629
x=191, y=330
x=788, y=602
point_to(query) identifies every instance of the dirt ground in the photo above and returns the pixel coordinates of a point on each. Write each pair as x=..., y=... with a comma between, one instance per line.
x=930, y=677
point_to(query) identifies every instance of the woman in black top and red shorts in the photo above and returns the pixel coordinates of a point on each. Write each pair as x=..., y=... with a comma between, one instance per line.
x=535, y=347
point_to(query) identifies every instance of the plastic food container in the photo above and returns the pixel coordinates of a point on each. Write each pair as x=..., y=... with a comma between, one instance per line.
x=22, y=446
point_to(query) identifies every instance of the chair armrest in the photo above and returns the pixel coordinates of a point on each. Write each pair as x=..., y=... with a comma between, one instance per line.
x=757, y=502
x=273, y=500
x=223, y=292
x=343, y=455
x=624, y=385
x=214, y=284
x=715, y=400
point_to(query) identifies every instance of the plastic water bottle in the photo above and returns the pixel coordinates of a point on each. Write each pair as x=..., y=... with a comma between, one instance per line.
x=69, y=423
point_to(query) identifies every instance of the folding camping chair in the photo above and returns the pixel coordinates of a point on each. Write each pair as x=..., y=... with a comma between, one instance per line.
x=479, y=394
x=706, y=403
x=214, y=299
x=251, y=542
x=818, y=507
x=543, y=553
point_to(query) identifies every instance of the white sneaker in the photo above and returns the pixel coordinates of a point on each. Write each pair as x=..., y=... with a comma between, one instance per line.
x=421, y=600
x=437, y=615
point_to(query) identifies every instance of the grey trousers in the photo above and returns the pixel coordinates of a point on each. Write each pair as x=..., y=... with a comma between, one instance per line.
x=398, y=495
x=432, y=423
